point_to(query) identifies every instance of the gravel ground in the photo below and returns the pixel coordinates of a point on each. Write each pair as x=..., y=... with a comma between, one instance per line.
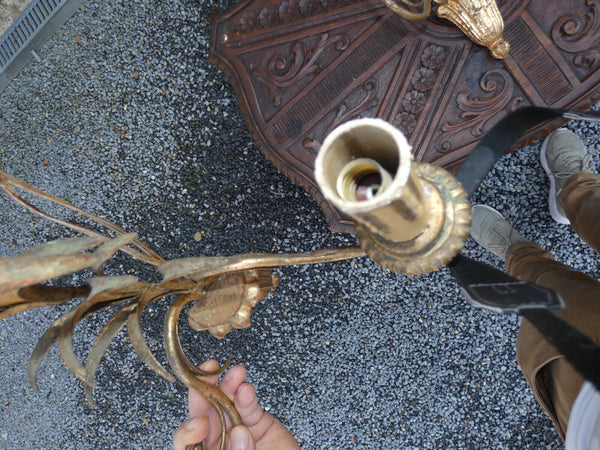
x=125, y=118
x=10, y=10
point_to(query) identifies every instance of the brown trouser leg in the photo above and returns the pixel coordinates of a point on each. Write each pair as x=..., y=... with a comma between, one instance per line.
x=580, y=198
x=553, y=381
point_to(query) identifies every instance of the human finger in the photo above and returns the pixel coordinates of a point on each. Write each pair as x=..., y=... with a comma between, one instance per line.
x=233, y=379
x=197, y=404
x=246, y=402
x=190, y=432
x=265, y=429
x=240, y=438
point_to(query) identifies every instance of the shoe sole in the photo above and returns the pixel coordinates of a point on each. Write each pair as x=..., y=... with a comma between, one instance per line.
x=552, y=206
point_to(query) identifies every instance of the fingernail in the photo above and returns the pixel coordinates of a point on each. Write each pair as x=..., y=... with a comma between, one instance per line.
x=192, y=423
x=205, y=365
x=240, y=438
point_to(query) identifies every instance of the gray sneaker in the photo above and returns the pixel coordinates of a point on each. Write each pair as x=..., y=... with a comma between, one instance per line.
x=492, y=231
x=562, y=155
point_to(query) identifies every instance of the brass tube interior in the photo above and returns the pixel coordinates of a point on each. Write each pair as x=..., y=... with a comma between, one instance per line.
x=364, y=169
x=362, y=179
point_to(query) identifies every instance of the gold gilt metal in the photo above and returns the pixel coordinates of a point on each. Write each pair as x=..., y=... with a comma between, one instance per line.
x=228, y=301
x=411, y=218
x=442, y=237
x=418, y=10
x=222, y=289
x=480, y=20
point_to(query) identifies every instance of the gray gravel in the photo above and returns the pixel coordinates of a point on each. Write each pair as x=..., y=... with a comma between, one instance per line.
x=10, y=10
x=125, y=118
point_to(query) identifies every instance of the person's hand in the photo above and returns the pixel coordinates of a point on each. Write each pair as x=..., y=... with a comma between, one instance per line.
x=260, y=430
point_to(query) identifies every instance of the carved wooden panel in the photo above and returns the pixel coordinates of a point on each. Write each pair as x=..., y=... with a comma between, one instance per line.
x=302, y=67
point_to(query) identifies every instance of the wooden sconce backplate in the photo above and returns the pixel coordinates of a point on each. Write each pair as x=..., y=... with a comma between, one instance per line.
x=302, y=67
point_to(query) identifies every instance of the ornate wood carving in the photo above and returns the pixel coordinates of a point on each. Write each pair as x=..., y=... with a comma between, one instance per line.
x=301, y=67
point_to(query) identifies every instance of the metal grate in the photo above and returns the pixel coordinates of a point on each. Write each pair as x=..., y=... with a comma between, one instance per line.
x=24, y=29
x=29, y=32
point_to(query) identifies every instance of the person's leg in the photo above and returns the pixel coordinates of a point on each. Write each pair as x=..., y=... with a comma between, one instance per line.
x=580, y=199
x=553, y=381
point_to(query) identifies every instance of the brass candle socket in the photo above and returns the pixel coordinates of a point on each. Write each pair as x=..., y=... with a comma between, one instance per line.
x=410, y=217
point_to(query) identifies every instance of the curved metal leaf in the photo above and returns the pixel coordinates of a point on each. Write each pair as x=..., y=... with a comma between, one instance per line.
x=56, y=259
x=198, y=294
x=7, y=181
x=23, y=271
x=134, y=330
x=202, y=267
x=174, y=352
x=37, y=296
x=100, y=346
x=111, y=283
x=64, y=246
x=44, y=344
x=65, y=339
x=106, y=250
x=105, y=291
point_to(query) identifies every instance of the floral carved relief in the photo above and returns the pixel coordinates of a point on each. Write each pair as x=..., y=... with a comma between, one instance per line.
x=289, y=9
x=433, y=57
x=367, y=102
x=285, y=70
x=579, y=34
x=414, y=102
x=345, y=113
x=267, y=16
x=477, y=112
x=283, y=12
x=423, y=79
x=421, y=84
x=407, y=122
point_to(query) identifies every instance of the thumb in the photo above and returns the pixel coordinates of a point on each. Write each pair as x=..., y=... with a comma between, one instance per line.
x=190, y=432
x=240, y=438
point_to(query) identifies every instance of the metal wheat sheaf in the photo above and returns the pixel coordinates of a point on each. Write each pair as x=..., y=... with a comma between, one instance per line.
x=224, y=290
x=414, y=224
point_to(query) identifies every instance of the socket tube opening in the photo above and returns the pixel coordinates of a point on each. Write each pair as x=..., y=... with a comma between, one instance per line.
x=362, y=165
x=362, y=180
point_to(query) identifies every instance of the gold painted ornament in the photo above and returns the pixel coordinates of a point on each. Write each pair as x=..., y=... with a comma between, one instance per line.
x=411, y=218
x=480, y=20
